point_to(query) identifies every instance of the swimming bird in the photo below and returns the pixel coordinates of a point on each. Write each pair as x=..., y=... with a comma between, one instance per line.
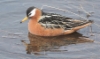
x=51, y=24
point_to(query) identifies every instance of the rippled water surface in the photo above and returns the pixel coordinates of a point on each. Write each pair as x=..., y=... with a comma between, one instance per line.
x=78, y=45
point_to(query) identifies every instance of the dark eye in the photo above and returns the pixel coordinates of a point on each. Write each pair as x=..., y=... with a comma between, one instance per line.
x=29, y=14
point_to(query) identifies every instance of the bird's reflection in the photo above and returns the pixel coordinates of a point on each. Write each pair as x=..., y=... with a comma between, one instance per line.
x=39, y=43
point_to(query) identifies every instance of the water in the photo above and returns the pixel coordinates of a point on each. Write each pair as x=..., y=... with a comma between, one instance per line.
x=12, y=32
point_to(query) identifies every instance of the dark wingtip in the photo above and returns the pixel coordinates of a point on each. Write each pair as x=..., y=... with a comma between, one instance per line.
x=91, y=21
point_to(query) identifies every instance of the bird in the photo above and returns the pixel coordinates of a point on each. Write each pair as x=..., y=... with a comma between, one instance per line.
x=52, y=24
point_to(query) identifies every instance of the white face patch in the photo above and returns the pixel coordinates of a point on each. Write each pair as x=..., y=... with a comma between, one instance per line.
x=32, y=13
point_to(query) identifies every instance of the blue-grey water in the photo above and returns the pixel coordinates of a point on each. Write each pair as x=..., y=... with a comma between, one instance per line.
x=12, y=32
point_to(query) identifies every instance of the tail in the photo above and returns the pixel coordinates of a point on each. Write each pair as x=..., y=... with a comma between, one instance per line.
x=87, y=23
x=84, y=22
x=91, y=21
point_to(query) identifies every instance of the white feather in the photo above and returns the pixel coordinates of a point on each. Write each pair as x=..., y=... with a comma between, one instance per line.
x=42, y=17
x=33, y=12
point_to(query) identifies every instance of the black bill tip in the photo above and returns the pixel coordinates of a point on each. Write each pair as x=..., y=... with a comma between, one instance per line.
x=20, y=22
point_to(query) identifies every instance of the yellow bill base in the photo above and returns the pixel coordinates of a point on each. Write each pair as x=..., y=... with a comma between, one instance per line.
x=26, y=18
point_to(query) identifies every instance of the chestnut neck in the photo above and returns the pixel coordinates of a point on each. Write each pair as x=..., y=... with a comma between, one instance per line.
x=37, y=15
x=33, y=22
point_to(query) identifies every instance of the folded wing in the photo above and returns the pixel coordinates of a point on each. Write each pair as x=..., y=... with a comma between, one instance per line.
x=56, y=21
